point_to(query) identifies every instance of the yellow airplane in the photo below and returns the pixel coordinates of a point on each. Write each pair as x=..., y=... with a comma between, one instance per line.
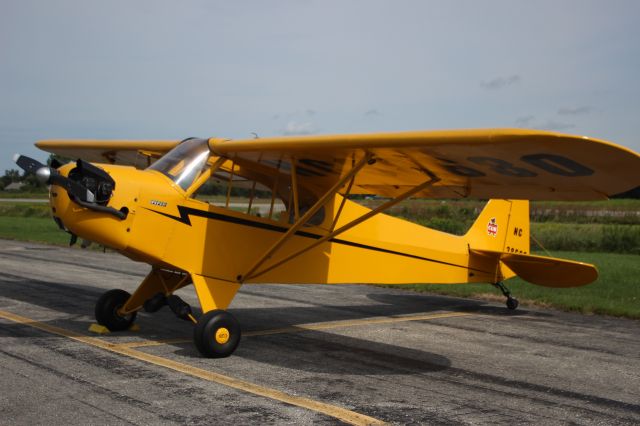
x=141, y=200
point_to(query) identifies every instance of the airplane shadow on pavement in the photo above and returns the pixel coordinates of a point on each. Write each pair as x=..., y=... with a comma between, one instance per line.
x=310, y=350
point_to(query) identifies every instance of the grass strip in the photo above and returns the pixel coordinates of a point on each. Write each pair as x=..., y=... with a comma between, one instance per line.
x=40, y=229
x=21, y=210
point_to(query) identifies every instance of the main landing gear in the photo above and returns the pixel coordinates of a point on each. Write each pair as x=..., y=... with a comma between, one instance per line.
x=108, y=307
x=216, y=334
x=512, y=302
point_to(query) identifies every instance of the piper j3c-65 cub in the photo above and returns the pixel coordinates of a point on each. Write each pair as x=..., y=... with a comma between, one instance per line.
x=140, y=198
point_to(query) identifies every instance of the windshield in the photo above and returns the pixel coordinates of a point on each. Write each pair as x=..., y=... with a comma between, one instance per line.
x=184, y=163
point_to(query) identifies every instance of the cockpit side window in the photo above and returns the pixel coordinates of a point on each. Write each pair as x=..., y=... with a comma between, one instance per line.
x=251, y=191
x=236, y=188
x=306, y=200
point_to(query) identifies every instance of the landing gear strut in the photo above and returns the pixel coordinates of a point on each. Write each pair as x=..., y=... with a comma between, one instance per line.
x=512, y=302
x=216, y=334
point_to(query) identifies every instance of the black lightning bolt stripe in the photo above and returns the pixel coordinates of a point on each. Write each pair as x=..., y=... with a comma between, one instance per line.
x=185, y=212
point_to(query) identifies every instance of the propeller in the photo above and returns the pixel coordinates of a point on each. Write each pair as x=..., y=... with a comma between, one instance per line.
x=50, y=176
x=78, y=193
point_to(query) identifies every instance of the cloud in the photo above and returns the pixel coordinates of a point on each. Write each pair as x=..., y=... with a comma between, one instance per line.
x=585, y=109
x=297, y=128
x=525, y=121
x=555, y=125
x=500, y=82
x=372, y=113
x=529, y=121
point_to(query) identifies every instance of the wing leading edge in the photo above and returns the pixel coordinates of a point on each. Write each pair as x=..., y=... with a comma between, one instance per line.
x=137, y=153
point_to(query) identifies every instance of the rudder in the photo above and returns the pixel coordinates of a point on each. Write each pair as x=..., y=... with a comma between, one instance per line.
x=502, y=226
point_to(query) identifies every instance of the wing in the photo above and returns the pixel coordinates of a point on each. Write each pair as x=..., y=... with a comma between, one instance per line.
x=492, y=163
x=140, y=153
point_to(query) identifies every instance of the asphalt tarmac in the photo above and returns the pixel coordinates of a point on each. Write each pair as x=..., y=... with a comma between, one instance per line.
x=309, y=354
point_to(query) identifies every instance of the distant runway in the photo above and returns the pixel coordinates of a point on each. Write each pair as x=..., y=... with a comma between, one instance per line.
x=24, y=200
x=309, y=354
x=261, y=207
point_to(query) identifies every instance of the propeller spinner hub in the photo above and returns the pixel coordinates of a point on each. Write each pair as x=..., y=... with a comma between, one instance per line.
x=43, y=174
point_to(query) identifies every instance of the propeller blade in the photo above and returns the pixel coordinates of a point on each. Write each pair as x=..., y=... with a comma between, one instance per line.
x=29, y=165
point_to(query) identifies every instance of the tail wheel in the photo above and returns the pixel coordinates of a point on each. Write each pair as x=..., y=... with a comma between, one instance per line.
x=107, y=308
x=512, y=303
x=217, y=334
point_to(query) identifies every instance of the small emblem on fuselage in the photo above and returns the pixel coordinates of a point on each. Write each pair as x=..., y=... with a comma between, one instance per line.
x=492, y=227
x=158, y=203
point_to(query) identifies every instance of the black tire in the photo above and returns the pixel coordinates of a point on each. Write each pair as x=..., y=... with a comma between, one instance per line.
x=209, y=333
x=512, y=303
x=107, y=310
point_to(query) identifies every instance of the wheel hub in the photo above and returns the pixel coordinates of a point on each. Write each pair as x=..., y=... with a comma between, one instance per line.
x=222, y=335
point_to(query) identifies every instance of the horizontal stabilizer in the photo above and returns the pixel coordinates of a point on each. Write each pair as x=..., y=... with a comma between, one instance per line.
x=546, y=271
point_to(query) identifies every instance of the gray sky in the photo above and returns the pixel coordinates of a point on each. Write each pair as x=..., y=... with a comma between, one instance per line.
x=174, y=69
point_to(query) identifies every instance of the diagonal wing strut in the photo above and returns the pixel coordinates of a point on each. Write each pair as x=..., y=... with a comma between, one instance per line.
x=432, y=179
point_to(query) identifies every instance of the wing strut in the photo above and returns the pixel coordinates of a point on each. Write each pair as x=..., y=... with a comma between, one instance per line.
x=294, y=190
x=432, y=180
x=344, y=200
x=308, y=215
x=233, y=169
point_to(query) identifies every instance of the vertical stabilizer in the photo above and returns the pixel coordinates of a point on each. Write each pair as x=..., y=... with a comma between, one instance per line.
x=503, y=226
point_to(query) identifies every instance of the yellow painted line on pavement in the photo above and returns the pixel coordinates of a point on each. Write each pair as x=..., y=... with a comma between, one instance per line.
x=146, y=343
x=313, y=326
x=339, y=413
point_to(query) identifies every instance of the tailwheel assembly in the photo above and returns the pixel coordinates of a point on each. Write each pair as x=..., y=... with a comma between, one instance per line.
x=216, y=334
x=107, y=308
x=512, y=302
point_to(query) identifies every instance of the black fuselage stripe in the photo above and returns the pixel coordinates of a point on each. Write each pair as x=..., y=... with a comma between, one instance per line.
x=185, y=211
x=399, y=253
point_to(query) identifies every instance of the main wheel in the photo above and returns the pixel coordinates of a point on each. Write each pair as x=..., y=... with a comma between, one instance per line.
x=107, y=310
x=512, y=303
x=217, y=334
